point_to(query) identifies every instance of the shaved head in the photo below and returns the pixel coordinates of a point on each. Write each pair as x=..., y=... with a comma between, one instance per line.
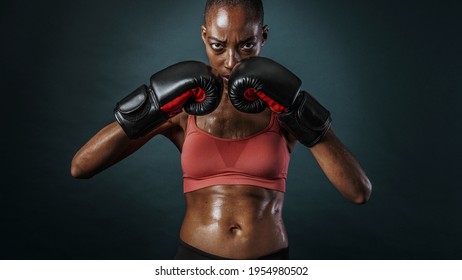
x=254, y=8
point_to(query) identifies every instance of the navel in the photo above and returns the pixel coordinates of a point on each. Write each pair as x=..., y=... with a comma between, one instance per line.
x=234, y=228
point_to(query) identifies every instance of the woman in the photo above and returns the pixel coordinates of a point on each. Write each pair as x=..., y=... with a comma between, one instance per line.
x=226, y=218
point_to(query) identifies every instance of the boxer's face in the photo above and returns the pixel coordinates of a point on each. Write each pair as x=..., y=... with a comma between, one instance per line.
x=230, y=35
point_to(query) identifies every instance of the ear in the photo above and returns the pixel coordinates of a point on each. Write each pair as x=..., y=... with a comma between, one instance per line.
x=204, y=34
x=265, y=31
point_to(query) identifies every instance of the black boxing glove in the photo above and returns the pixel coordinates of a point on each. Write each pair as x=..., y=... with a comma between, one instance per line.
x=257, y=83
x=190, y=85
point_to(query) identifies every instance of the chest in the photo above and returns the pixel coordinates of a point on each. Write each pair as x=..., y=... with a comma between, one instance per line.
x=232, y=124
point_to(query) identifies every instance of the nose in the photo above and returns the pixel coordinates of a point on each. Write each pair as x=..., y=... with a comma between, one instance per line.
x=232, y=58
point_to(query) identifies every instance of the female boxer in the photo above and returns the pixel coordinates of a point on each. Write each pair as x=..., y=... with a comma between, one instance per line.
x=235, y=124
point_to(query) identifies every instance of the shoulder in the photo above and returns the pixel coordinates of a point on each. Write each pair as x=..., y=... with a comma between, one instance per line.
x=291, y=140
x=175, y=128
x=179, y=121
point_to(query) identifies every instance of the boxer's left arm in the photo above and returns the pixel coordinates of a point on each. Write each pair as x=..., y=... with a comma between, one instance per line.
x=342, y=169
x=260, y=82
x=340, y=166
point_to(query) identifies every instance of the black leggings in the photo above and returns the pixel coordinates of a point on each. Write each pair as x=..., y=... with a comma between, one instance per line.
x=188, y=252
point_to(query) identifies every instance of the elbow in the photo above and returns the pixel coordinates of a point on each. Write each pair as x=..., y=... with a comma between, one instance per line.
x=77, y=171
x=361, y=199
x=364, y=194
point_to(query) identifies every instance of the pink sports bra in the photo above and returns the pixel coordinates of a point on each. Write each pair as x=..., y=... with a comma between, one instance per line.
x=261, y=159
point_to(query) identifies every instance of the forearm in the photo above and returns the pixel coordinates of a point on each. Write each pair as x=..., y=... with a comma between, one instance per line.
x=342, y=169
x=101, y=151
x=259, y=82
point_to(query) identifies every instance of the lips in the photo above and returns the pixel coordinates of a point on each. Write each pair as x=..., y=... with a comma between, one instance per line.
x=226, y=77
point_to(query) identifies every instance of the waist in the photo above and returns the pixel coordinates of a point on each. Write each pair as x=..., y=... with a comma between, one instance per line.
x=237, y=221
x=188, y=252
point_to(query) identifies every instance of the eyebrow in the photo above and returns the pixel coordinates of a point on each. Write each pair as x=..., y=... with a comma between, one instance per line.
x=251, y=38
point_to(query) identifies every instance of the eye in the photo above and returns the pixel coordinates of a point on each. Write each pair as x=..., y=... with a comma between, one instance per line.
x=216, y=47
x=247, y=46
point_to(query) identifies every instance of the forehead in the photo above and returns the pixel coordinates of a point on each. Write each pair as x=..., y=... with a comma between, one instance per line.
x=231, y=19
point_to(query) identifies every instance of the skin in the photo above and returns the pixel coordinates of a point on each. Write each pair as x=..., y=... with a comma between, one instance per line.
x=232, y=221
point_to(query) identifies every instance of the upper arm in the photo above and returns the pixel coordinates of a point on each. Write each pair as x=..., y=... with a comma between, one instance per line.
x=342, y=168
x=171, y=129
x=110, y=145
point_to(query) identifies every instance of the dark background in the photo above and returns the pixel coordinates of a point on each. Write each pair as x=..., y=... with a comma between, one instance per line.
x=389, y=71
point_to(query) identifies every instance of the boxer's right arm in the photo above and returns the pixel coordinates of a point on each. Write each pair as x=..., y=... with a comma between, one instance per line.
x=147, y=111
x=109, y=146
x=190, y=85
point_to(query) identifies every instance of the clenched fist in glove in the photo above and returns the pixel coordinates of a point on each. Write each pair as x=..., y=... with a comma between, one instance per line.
x=190, y=85
x=257, y=83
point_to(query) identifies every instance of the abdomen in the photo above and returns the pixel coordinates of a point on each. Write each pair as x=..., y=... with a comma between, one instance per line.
x=235, y=221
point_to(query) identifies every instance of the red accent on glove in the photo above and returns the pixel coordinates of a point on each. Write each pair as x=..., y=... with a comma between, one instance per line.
x=176, y=105
x=252, y=94
x=198, y=95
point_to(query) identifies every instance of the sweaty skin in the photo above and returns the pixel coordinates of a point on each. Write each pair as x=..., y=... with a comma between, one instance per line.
x=232, y=221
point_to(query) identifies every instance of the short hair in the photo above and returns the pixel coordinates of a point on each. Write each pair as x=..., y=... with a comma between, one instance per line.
x=254, y=7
